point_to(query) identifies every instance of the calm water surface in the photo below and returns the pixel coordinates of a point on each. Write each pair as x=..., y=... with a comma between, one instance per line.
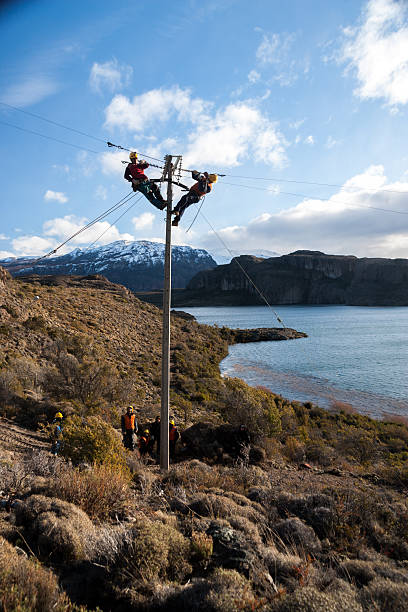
x=352, y=354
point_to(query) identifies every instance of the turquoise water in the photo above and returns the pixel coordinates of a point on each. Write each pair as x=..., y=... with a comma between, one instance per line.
x=357, y=355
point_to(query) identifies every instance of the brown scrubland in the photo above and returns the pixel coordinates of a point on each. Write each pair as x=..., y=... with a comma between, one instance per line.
x=312, y=517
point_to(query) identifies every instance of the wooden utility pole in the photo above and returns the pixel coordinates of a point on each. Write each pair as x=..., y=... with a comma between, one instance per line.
x=169, y=170
x=165, y=391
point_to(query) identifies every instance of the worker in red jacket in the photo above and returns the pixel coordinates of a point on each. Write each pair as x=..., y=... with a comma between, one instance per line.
x=134, y=173
x=203, y=186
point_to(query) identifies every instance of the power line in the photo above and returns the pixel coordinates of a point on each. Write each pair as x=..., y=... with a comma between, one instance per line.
x=311, y=197
x=20, y=110
x=110, y=144
x=115, y=221
x=66, y=127
x=118, y=204
x=300, y=182
x=69, y=144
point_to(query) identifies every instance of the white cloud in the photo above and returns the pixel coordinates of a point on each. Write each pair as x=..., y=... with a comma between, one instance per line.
x=55, y=196
x=101, y=193
x=344, y=224
x=6, y=254
x=254, y=76
x=29, y=91
x=295, y=125
x=32, y=245
x=64, y=168
x=156, y=105
x=110, y=76
x=4, y=237
x=377, y=52
x=223, y=136
x=309, y=140
x=232, y=134
x=144, y=221
x=332, y=142
x=274, y=51
x=63, y=227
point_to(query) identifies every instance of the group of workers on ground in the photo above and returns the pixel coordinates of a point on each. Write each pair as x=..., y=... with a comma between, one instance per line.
x=134, y=173
x=148, y=439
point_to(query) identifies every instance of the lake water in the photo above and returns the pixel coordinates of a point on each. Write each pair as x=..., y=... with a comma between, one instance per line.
x=357, y=355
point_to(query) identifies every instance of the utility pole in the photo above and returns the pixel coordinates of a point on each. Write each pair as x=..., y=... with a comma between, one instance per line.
x=169, y=170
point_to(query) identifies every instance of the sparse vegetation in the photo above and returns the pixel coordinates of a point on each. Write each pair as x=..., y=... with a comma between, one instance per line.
x=312, y=515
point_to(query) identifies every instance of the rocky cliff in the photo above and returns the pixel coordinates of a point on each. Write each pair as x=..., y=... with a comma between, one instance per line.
x=305, y=277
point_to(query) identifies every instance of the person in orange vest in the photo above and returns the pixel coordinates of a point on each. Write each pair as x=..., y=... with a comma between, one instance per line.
x=203, y=186
x=173, y=437
x=129, y=427
x=144, y=442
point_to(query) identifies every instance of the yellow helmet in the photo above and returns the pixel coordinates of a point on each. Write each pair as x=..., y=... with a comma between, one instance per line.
x=146, y=431
x=133, y=155
x=130, y=408
x=172, y=422
x=58, y=415
x=213, y=178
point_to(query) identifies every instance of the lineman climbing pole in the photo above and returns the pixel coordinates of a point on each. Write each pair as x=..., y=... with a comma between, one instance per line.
x=170, y=168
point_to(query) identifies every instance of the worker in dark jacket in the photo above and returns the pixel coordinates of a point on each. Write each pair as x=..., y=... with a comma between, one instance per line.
x=129, y=428
x=203, y=186
x=173, y=437
x=144, y=443
x=134, y=173
x=155, y=434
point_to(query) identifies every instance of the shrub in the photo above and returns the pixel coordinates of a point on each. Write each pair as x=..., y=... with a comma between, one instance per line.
x=153, y=551
x=57, y=528
x=25, y=586
x=255, y=408
x=229, y=591
x=309, y=599
x=102, y=491
x=93, y=441
x=201, y=545
x=383, y=595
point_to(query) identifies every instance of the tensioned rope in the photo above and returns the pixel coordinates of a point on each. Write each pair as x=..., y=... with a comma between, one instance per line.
x=112, y=209
x=244, y=271
x=115, y=221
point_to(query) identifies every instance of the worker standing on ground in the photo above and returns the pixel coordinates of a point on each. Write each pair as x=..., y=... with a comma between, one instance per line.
x=155, y=433
x=173, y=437
x=129, y=428
x=144, y=443
x=56, y=433
x=134, y=173
x=203, y=186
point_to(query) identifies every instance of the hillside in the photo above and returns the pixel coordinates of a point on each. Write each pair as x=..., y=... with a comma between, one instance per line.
x=303, y=277
x=310, y=516
x=137, y=265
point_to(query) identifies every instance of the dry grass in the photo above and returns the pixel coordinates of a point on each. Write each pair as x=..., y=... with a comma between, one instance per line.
x=101, y=491
x=26, y=586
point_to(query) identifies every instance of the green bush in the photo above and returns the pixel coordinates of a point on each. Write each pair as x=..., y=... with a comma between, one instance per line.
x=91, y=440
x=154, y=551
x=255, y=408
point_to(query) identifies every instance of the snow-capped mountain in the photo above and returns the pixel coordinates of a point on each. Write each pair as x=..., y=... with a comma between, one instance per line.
x=138, y=265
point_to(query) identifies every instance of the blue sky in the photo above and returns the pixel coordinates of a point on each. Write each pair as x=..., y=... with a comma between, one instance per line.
x=312, y=92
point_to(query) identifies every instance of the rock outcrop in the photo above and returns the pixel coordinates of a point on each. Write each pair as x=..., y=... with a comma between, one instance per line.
x=304, y=277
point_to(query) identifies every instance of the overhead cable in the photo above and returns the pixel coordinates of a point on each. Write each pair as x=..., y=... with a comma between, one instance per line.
x=118, y=204
x=312, y=197
x=244, y=271
x=69, y=144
